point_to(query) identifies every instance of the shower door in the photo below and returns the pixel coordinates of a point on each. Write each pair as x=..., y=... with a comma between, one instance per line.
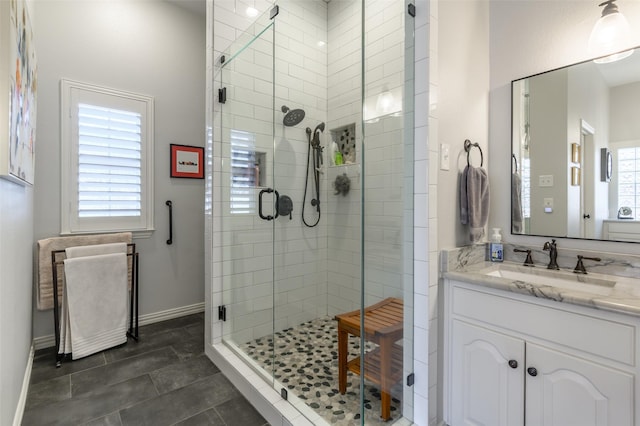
x=245, y=191
x=287, y=272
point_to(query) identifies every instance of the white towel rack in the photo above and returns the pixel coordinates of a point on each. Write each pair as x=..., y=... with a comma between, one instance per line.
x=57, y=259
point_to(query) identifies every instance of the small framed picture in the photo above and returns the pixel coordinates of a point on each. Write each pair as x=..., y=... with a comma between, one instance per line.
x=575, y=153
x=187, y=161
x=575, y=176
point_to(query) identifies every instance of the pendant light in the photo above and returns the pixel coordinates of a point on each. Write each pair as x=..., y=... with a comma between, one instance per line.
x=610, y=35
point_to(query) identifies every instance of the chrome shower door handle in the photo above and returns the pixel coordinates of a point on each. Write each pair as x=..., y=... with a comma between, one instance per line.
x=262, y=216
x=276, y=204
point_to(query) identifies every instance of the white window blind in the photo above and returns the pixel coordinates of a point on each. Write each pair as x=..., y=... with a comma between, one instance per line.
x=245, y=172
x=107, y=142
x=629, y=178
x=109, y=166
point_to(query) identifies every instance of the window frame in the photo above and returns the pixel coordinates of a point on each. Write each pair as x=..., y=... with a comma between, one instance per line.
x=72, y=93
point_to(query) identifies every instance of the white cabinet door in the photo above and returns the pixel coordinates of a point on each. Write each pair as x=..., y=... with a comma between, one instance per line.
x=486, y=389
x=567, y=391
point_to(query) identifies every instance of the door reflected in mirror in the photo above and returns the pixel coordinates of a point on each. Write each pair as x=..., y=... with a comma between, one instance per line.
x=569, y=126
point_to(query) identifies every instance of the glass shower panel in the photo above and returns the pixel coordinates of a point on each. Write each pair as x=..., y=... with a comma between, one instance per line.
x=387, y=219
x=302, y=328
x=246, y=195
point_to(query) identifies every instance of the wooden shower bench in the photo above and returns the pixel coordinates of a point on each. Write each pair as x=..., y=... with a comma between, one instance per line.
x=383, y=324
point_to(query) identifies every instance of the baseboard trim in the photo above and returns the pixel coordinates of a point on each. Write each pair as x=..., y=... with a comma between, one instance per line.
x=22, y=401
x=146, y=319
x=171, y=313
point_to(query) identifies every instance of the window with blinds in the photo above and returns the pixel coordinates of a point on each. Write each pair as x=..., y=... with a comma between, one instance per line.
x=107, y=140
x=247, y=172
x=109, y=162
x=628, y=184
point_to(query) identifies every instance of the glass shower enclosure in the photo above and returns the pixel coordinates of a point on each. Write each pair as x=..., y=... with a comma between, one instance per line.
x=313, y=191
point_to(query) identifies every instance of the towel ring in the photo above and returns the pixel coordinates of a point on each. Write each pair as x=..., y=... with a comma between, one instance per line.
x=515, y=160
x=467, y=147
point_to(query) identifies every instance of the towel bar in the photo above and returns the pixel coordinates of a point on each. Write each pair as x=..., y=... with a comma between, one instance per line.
x=467, y=147
x=133, y=299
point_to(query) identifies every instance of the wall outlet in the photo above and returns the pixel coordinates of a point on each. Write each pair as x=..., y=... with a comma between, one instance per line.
x=545, y=180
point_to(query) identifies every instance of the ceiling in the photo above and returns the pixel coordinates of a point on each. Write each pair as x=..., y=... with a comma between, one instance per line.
x=621, y=72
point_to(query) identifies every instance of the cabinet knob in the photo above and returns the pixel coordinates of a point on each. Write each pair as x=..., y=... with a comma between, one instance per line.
x=513, y=363
x=532, y=371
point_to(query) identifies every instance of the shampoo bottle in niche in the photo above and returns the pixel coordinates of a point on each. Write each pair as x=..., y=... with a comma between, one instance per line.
x=496, y=253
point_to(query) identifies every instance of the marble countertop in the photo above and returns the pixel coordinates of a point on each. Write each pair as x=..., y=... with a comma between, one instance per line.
x=621, y=297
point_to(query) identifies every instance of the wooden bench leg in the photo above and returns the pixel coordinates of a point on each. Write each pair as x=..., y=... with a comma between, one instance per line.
x=343, y=337
x=385, y=379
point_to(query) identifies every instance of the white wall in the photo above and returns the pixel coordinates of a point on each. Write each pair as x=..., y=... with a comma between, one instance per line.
x=548, y=118
x=462, y=107
x=550, y=35
x=16, y=259
x=624, y=112
x=16, y=256
x=153, y=48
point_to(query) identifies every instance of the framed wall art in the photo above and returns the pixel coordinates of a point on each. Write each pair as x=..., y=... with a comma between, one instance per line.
x=18, y=78
x=575, y=176
x=575, y=153
x=187, y=161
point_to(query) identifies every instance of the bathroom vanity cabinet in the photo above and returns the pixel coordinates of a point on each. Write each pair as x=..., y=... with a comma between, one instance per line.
x=513, y=359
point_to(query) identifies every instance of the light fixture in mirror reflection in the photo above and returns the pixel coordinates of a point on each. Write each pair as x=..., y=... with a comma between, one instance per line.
x=562, y=121
x=387, y=102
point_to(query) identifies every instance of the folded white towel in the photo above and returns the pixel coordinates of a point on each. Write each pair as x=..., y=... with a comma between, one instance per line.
x=96, y=249
x=96, y=292
x=44, y=287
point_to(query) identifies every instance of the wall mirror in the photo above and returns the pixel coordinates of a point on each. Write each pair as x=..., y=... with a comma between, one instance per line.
x=576, y=152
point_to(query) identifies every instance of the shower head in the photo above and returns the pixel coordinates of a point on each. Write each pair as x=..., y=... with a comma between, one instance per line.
x=319, y=127
x=292, y=116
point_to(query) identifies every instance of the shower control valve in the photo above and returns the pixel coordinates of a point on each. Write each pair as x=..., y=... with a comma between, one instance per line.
x=284, y=206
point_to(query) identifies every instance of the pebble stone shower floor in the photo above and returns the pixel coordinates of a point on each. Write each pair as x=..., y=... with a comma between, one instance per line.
x=306, y=362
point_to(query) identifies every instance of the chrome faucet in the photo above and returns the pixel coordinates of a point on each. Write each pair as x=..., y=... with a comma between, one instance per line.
x=580, y=269
x=553, y=254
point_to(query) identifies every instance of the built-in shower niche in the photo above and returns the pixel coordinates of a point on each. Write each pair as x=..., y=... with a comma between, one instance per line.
x=345, y=139
x=248, y=167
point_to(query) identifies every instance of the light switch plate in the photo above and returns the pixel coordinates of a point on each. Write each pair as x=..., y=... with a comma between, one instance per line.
x=548, y=205
x=444, y=156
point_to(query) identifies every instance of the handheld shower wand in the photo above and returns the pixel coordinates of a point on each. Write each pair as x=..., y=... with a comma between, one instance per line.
x=313, y=138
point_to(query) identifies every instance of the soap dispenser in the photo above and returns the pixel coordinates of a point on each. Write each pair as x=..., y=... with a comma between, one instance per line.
x=496, y=252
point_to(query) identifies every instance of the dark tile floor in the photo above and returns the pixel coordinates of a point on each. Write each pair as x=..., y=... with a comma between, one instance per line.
x=163, y=379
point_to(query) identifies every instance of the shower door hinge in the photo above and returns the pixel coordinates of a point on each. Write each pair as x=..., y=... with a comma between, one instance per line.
x=222, y=313
x=411, y=8
x=283, y=393
x=274, y=12
x=222, y=59
x=222, y=95
x=410, y=379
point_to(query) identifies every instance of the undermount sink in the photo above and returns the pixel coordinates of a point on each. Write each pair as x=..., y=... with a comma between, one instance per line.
x=551, y=278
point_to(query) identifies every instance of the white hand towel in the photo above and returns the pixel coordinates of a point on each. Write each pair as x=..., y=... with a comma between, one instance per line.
x=96, y=289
